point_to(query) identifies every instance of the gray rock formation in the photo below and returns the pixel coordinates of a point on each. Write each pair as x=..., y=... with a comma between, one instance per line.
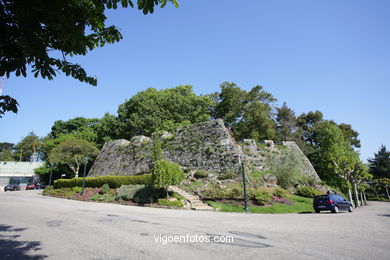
x=204, y=146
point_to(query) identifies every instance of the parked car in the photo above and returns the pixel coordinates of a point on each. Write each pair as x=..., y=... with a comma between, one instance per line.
x=332, y=202
x=12, y=187
x=31, y=186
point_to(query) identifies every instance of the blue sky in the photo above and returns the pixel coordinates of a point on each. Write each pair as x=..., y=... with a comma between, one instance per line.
x=332, y=56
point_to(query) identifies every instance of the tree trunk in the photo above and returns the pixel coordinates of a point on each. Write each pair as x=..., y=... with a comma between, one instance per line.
x=362, y=199
x=357, y=202
x=365, y=198
x=387, y=191
x=350, y=197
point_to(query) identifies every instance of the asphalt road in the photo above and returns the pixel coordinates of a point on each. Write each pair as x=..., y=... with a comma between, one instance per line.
x=36, y=227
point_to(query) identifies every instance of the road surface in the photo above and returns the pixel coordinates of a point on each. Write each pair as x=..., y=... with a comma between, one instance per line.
x=33, y=226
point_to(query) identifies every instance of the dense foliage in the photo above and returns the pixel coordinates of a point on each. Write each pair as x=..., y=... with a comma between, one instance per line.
x=380, y=163
x=44, y=35
x=73, y=152
x=165, y=173
x=156, y=110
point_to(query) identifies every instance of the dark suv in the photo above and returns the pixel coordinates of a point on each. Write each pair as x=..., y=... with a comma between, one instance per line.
x=332, y=202
x=11, y=187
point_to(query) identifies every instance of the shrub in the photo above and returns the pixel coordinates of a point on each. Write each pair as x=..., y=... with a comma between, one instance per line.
x=280, y=192
x=166, y=173
x=262, y=197
x=286, y=166
x=147, y=195
x=105, y=188
x=307, y=191
x=222, y=193
x=201, y=174
x=95, y=182
x=126, y=192
x=76, y=189
x=226, y=176
x=175, y=203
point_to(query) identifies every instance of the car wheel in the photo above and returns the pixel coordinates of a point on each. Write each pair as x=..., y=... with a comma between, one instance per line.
x=350, y=209
x=317, y=211
x=335, y=209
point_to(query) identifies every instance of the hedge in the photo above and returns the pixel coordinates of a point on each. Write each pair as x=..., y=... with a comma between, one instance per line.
x=97, y=182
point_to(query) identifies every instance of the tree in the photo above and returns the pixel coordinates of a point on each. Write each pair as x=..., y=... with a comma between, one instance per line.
x=6, y=146
x=230, y=103
x=247, y=114
x=75, y=126
x=72, y=152
x=165, y=173
x=385, y=183
x=6, y=156
x=30, y=148
x=42, y=35
x=286, y=128
x=155, y=110
x=380, y=164
x=108, y=128
x=350, y=135
x=7, y=103
x=6, y=151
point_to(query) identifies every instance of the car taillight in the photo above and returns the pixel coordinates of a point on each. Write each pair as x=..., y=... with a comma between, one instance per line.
x=330, y=201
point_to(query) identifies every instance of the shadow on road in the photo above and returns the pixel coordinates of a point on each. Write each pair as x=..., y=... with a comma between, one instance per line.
x=10, y=248
x=384, y=215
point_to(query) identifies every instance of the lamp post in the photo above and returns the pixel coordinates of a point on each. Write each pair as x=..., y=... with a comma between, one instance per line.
x=244, y=183
x=85, y=169
x=51, y=173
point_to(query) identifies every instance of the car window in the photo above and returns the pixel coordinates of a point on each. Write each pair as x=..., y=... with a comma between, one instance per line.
x=322, y=197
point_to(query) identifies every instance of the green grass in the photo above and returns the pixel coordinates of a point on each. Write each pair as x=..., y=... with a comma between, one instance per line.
x=225, y=207
x=300, y=205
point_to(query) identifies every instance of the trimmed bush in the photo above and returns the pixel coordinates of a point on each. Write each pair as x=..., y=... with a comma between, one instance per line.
x=262, y=197
x=148, y=195
x=126, y=192
x=307, y=191
x=280, y=193
x=97, y=182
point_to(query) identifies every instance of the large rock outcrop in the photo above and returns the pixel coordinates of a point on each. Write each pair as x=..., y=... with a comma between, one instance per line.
x=204, y=146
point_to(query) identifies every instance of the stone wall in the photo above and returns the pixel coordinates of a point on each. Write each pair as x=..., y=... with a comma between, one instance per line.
x=204, y=146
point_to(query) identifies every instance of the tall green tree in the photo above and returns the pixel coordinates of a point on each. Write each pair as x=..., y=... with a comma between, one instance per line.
x=247, y=114
x=30, y=148
x=287, y=125
x=155, y=110
x=44, y=35
x=72, y=152
x=75, y=126
x=230, y=106
x=380, y=163
x=6, y=156
x=350, y=135
x=6, y=146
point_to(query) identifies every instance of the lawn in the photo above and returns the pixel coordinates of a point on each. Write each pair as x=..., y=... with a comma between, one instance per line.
x=300, y=205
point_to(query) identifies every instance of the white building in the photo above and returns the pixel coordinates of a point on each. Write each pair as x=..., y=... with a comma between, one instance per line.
x=20, y=173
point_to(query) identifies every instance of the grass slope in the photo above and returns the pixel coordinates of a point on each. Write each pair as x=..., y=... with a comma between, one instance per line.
x=300, y=205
